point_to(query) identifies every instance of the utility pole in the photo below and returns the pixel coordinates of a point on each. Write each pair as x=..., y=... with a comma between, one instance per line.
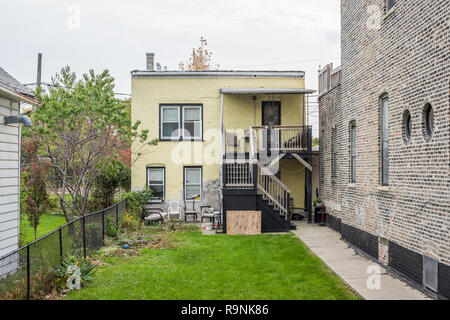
x=39, y=70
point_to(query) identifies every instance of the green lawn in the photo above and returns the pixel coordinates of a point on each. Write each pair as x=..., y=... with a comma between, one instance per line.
x=218, y=267
x=47, y=224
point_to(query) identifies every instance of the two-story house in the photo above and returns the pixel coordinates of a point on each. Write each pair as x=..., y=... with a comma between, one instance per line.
x=233, y=140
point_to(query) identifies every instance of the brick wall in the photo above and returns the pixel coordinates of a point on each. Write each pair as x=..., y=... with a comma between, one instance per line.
x=404, y=54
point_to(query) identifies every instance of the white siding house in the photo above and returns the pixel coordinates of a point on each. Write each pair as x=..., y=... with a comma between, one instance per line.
x=12, y=94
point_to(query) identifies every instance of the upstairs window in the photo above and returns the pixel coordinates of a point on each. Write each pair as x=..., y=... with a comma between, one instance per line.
x=389, y=5
x=156, y=183
x=384, y=132
x=353, y=151
x=181, y=122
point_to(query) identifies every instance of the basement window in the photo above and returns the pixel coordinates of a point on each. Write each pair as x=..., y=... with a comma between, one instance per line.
x=156, y=183
x=193, y=183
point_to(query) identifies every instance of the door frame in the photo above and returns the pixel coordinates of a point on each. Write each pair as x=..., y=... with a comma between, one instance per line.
x=264, y=104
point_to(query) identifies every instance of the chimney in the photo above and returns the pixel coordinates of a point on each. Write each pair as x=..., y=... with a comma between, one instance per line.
x=150, y=61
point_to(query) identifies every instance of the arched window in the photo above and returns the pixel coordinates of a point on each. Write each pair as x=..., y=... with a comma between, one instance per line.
x=428, y=120
x=384, y=133
x=353, y=151
x=406, y=125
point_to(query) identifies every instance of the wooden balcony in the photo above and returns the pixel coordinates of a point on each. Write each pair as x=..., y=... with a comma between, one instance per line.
x=264, y=139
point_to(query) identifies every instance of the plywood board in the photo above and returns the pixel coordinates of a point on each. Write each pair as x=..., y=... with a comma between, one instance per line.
x=243, y=222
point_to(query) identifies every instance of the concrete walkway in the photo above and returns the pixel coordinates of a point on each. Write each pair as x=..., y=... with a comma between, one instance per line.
x=351, y=267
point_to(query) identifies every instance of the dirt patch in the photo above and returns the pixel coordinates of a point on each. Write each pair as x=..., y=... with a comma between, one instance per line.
x=130, y=248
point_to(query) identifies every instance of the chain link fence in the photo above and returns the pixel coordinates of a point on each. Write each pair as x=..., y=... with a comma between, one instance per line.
x=25, y=272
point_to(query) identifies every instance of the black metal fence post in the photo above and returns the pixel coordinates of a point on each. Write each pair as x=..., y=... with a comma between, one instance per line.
x=28, y=272
x=60, y=245
x=103, y=226
x=117, y=214
x=84, y=236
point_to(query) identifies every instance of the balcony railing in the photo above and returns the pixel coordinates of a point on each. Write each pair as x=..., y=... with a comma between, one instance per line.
x=261, y=139
x=280, y=139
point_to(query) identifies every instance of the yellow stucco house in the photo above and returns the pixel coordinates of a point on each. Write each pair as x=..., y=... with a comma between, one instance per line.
x=233, y=140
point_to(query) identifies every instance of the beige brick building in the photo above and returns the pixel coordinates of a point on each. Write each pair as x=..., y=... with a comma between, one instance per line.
x=385, y=136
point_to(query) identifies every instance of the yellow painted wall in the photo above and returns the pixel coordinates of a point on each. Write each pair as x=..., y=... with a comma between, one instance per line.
x=239, y=112
x=293, y=176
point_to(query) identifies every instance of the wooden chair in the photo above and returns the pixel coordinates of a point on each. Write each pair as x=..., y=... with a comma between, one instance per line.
x=190, y=211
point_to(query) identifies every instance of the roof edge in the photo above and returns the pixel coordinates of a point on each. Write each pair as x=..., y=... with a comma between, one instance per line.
x=21, y=97
x=218, y=74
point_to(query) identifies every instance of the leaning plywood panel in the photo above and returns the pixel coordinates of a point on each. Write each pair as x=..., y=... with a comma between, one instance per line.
x=244, y=222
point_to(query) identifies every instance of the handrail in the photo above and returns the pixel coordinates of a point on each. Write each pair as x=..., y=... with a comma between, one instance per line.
x=282, y=185
x=272, y=188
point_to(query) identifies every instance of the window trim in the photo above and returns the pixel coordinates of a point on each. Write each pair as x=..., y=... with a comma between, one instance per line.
x=353, y=154
x=180, y=107
x=201, y=182
x=384, y=97
x=164, y=183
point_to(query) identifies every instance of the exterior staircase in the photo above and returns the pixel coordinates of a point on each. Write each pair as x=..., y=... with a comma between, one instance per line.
x=251, y=186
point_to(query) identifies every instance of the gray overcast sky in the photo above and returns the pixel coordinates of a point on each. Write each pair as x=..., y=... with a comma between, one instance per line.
x=115, y=35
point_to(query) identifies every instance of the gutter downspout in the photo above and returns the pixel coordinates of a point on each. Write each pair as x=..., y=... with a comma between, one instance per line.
x=221, y=155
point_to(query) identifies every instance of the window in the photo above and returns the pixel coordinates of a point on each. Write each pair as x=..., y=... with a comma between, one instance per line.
x=334, y=153
x=406, y=126
x=384, y=128
x=170, y=123
x=180, y=122
x=193, y=183
x=353, y=151
x=428, y=120
x=192, y=122
x=156, y=183
x=389, y=5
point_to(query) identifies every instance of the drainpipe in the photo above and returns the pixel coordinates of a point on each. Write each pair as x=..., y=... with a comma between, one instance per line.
x=18, y=119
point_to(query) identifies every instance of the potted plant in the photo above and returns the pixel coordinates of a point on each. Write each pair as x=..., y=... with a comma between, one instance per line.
x=318, y=202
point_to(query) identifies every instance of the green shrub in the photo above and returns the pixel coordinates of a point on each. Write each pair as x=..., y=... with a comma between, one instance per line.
x=111, y=228
x=136, y=199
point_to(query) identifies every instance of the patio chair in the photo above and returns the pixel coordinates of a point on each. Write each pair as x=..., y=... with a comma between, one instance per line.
x=174, y=210
x=153, y=215
x=207, y=212
x=191, y=210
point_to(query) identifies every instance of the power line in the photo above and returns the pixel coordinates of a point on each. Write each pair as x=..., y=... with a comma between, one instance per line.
x=52, y=85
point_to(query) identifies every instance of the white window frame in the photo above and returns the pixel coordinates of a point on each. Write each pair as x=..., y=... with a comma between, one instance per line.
x=183, y=108
x=153, y=200
x=180, y=120
x=162, y=123
x=201, y=182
